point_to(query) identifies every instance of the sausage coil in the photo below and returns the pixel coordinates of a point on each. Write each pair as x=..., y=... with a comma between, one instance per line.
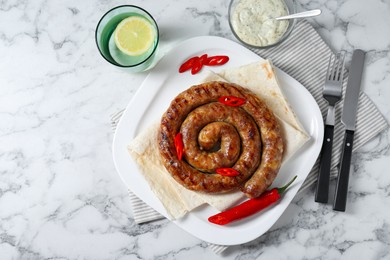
x=246, y=138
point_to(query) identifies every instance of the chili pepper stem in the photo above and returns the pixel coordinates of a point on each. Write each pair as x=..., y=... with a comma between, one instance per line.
x=281, y=190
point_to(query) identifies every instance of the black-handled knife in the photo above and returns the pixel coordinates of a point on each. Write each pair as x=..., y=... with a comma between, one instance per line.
x=349, y=120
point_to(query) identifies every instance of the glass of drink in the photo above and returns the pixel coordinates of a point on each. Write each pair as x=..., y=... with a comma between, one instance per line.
x=127, y=36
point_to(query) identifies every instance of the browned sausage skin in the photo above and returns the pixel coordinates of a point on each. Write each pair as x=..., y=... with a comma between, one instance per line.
x=246, y=138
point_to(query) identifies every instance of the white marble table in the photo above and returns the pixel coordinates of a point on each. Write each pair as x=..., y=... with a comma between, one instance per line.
x=60, y=196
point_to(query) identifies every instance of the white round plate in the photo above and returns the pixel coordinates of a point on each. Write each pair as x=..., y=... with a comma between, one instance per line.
x=153, y=98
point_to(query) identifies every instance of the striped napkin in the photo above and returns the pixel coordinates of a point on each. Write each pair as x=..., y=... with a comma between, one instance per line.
x=304, y=56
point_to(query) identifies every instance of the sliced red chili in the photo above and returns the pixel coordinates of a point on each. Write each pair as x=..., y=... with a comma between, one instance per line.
x=179, y=145
x=188, y=64
x=250, y=206
x=196, y=67
x=196, y=63
x=227, y=172
x=216, y=60
x=203, y=59
x=232, y=101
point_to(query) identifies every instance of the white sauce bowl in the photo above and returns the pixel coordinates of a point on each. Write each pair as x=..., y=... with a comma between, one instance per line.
x=252, y=23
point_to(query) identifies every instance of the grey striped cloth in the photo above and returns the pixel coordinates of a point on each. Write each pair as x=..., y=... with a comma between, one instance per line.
x=304, y=56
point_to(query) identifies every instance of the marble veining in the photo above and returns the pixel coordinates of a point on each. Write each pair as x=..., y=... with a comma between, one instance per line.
x=60, y=197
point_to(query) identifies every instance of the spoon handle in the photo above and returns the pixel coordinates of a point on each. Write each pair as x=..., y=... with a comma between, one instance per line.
x=300, y=15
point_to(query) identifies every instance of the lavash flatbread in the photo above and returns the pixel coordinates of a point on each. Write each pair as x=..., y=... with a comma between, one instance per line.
x=178, y=200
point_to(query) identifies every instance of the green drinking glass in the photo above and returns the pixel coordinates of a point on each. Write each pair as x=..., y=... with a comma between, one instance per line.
x=120, y=33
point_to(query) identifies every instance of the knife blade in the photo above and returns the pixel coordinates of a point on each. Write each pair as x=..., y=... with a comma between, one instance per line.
x=348, y=118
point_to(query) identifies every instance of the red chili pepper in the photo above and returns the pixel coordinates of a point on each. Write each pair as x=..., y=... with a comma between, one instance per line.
x=196, y=63
x=227, y=172
x=232, y=101
x=179, y=145
x=197, y=66
x=188, y=64
x=217, y=60
x=250, y=206
x=203, y=59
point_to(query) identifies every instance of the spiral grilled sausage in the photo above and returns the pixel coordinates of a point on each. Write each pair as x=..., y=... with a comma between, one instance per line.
x=245, y=138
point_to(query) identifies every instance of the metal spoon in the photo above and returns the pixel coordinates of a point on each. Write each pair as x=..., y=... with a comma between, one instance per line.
x=310, y=13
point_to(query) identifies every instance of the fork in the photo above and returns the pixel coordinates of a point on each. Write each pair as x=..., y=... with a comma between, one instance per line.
x=332, y=93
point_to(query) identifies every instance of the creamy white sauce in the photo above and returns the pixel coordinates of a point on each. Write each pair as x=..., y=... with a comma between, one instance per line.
x=252, y=21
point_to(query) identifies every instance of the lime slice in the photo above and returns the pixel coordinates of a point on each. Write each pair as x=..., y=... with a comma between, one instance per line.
x=134, y=35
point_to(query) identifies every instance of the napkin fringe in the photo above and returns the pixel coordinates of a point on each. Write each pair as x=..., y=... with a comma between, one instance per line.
x=142, y=212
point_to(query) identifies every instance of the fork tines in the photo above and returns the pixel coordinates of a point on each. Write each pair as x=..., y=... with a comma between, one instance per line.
x=336, y=63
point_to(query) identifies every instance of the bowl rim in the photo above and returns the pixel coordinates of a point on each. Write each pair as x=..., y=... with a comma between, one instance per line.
x=290, y=27
x=136, y=7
